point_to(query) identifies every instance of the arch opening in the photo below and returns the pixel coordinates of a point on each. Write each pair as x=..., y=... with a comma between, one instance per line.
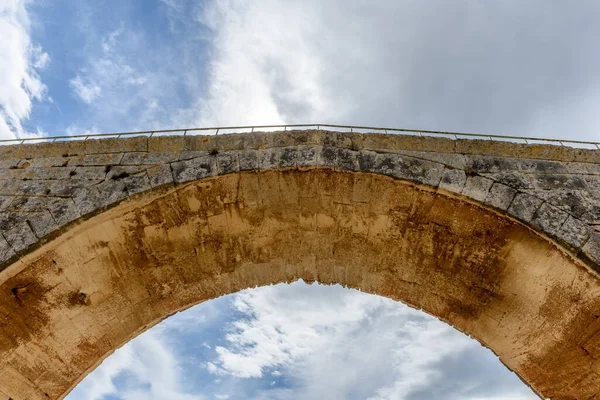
x=71, y=302
x=301, y=341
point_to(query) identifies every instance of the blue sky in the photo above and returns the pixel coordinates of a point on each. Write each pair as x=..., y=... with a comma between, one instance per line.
x=505, y=67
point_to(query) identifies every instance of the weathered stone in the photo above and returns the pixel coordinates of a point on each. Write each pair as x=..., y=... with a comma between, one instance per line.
x=574, y=232
x=477, y=187
x=288, y=157
x=313, y=200
x=137, y=183
x=307, y=156
x=160, y=175
x=94, y=173
x=6, y=252
x=554, y=181
x=63, y=210
x=148, y=158
x=20, y=236
x=500, y=196
x=42, y=223
x=454, y=161
x=453, y=180
x=196, y=168
x=227, y=162
x=248, y=160
x=347, y=160
x=102, y=159
x=524, y=206
x=327, y=157
x=592, y=248
x=549, y=219
x=367, y=160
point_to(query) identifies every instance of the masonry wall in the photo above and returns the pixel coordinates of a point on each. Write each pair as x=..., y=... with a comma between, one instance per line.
x=46, y=187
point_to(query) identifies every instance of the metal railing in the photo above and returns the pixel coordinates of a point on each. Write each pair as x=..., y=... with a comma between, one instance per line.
x=351, y=128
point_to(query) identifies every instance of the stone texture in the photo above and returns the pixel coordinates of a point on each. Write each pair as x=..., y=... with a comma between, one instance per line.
x=477, y=187
x=524, y=206
x=72, y=300
x=500, y=196
x=348, y=200
x=68, y=180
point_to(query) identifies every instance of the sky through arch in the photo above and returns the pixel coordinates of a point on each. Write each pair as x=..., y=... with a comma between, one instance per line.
x=302, y=341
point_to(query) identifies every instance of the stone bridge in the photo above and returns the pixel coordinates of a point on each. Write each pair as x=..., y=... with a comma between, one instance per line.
x=101, y=239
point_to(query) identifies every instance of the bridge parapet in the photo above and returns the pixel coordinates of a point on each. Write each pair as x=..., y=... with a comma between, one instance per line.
x=45, y=187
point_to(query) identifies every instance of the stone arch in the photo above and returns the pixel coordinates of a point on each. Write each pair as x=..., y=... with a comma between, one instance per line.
x=69, y=303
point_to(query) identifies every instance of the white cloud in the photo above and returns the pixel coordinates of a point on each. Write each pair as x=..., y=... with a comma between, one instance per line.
x=498, y=67
x=20, y=61
x=86, y=92
x=337, y=343
x=153, y=370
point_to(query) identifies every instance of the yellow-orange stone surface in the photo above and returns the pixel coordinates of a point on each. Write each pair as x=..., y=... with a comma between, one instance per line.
x=74, y=300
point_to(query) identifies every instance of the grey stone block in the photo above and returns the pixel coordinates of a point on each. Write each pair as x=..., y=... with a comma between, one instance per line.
x=6, y=252
x=227, y=162
x=549, y=219
x=42, y=223
x=592, y=248
x=574, y=232
x=20, y=236
x=500, y=196
x=307, y=156
x=524, y=206
x=137, y=183
x=327, y=156
x=102, y=159
x=347, y=160
x=453, y=180
x=160, y=175
x=477, y=187
x=288, y=157
x=554, y=181
x=248, y=160
x=63, y=210
x=196, y=168
x=367, y=160
x=268, y=158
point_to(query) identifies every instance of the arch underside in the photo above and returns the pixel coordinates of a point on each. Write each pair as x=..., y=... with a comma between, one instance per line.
x=71, y=302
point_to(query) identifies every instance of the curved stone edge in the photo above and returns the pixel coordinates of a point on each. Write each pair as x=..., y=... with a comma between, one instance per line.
x=116, y=169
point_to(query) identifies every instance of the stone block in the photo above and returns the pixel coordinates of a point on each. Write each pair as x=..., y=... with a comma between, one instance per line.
x=558, y=181
x=20, y=236
x=366, y=160
x=307, y=156
x=500, y=196
x=452, y=160
x=477, y=187
x=592, y=248
x=93, y=173
x=347, y=160
x=42, y=223
x=327, y=156
x=137, y=183
x=288, y=157
x=453, y=180
x=268, y=158
x=160, y=175
x=248, y=160
x=63, y=210
x=524, y=206
x=6, y=252
x=196, y=168
x=549, y=219
x=574, y=232
x=227, y=162
x=102, y=159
